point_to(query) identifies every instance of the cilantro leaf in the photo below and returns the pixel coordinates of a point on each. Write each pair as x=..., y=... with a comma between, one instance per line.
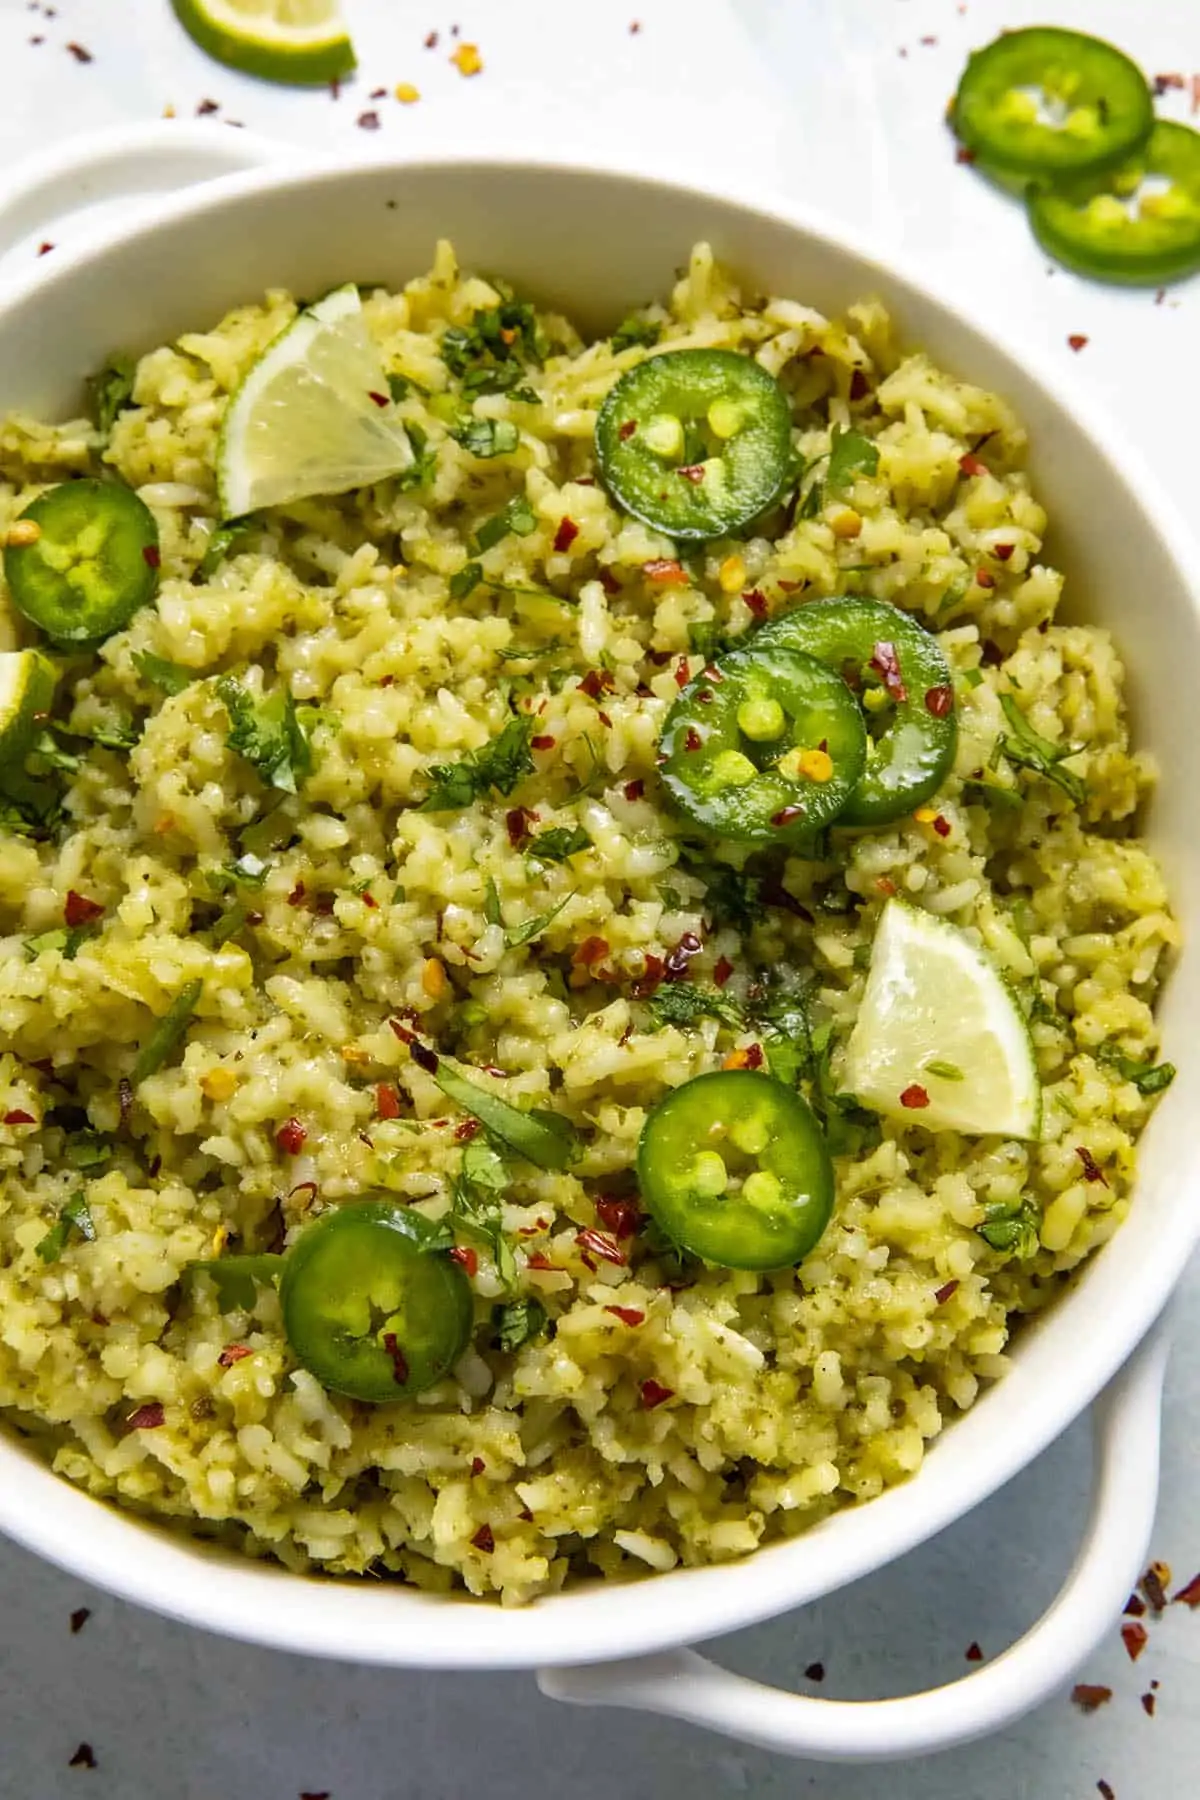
x=268, y=734
x=518, y=1322
x=1147, y=1077
x=849, y=1127
x=533, y=928
x=486, y=438
x=67, y=939
x=558, y=843
x=787, y=1036
x=236, y=1278
x=167, y=1034
x=518, y=518
x=423, y=467
x=109, y=391
x=247, y=871
x=465, y=581
x=476, y=1203
x=491, y=903
x=226, y=541
x=74, y=1215
x=88, y=1150
x=734, y=897
x=635, y=330
x=683, y=1003
x=1028, y=749
x=541, y=1137
x=850, y=454
x=171, y=677
x=498, y=764
x=1013, y=1230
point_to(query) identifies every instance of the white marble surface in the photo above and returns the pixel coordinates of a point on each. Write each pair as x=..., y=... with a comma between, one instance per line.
x=818, y=97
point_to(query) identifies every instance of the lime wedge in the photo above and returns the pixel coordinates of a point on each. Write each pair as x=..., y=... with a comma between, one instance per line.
x=939, y=1040
x=296, y=41
x=313, y=416
x=26, y=690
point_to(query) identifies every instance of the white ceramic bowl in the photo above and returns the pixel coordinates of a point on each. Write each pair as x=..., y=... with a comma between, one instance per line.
x=596, y=241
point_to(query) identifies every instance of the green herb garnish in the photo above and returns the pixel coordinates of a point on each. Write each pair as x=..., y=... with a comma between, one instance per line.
x=850, y=454
x=109, y=391
x=74, y=1215
x=518, y=518
x=486, y=438
x=558, y=843
x=268, y=734
x=237, y=1278
x=518, y=1322
x=533, y=928
x=1013, y=1230
x=88, y=1150
x=683, y=1003
x=225, y=541
x=499, y=764
x=543, y=1138
x=171, y=677
x=635, y=330
x=1028, y=749
x=1147, y=1077
x=167, y=1034
x=476, y=1203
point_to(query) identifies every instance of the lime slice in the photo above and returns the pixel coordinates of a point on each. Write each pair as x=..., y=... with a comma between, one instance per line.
x=313, y=416
x=939, y=1040
x=296, y=41
x=26, y=690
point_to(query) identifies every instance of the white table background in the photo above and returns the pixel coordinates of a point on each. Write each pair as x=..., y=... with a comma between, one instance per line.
x=841, y=101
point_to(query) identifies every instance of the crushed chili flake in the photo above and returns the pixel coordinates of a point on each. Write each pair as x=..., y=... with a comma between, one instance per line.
x=619, y=1215
x=477, y=1465
x=1077, y=340
x=592, y=950
x=682, y=672
x=942, y=826
x=1148, y=1705
x=80, y=54
x=945, y=1292
x=79, y=910
x=914, y=1097
x=1091, y=1168
x=653, y=970
x=291, y=1137
x=516, y=823
x=483, y=1540
x=431, y=41
x=1163, y=82
x=566, y=534
x=379, y=399
x=693, y=472
x=626, y=431
x=1155, y=1583
x=207, y=106
x=539, y=1260
x=45, y=247
x=85, y=1756
x=609, y=582
x=467, y=1259
x=387, y=1101
x=79, y=1619
x=692, y=741
x=984, y=578
x=786, y=815
x=604, y=719
x=1105, y=1790
x=1135, y=1638
x=19, y=1117
x=970, y=464
x=1135, y=1607
x=663, y=568
x=424, y=1057
x=635, y=27
x=756, y=600
x=1090, y=1696
x=1002, y=552
x=885, y=885
x=886, y=664
x=233, y=1353
x=773, y=893
x=860, y=387
x=542, y=742
x=597, y=682
x=628, y=1315
x=399, y=1361
x=654, y=1394
x=368, y=121
x=148, y=1417
x=1189, y=1595
x=939, y=701
x=591, y=1242
x=296, y=897
x=815, y=1671
x=634, y=789
x=789, y=587
x=151, y=555
x=722, y=971
x=974, y=1653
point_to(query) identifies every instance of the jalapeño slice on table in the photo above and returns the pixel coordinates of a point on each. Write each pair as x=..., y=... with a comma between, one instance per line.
x=905, y=688
x=369, y=1306
x=734, y=1168
x=1048, y=102
x=766, y=746
x=1104, y=227
x=695, y=443
x=89, y=564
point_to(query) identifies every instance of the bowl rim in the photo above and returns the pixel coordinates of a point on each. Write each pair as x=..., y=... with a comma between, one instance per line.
x=315, y=1615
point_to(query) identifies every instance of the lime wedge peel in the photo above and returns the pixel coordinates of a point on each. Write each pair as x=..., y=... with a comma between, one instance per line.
x=939, y=1026
x=299, y=42
x=312, y=416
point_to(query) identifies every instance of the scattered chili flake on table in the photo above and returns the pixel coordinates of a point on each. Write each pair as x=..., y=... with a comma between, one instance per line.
x=635, y=27
x=962, y=154
x=1089, y=1696
x=431, y=41
x=914, y=1097
x=974, y=1653
x=1135, y=1607
x=1189, y=1595
x=1134, y=1637
x=80, y=54
x=467, y=59
x=79, y=1619
x=205, y=107
x=1155, y=1583
x=1148, y=1705
x=653, y=1394
x=85, y=1756
x=815, y=1671
x=1077, y=340
x=368, y=121
x=45, y=247
x=1105, y=1790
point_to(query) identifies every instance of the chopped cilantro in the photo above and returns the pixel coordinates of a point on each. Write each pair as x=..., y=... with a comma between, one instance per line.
x=466, y=580
x=476, y=1202
x=248, y=871
x=75, y=1215
x=533, y=928
x=1028, y=749
x=226, y=541
x=558, y=843
x=971, y=678
x=171, y=677
x=67, y=939
x=849, y=1127
x=400, y=386
x=705, y=638
x=52, y=755
x=518, y=518
x=229, y=924
x=635, y=330
x=1013, y=1230
x=683, y=1003
x=498, y=764
x=1147, y=1077
x=168, y=1033
x=88, y=1150
x=268, y=734
x=237, y=1278
x=507, y=333
x=109, y=391
x=491, y=903
x=486, y=438
x=421, y=471
x=733, y=898
x=994, y=793
x=850, y=454
x=518, y=1322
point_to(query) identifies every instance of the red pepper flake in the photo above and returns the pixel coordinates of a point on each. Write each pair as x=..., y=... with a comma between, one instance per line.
x=379, y=399
x=148, y=1417
x=789, y=587
x=1135, y=1607
x=626, y=431
x=754, y=1056
x=18, y=1117
x=970, y=464
x=682, y=672
x=1002, y=552
x=539, y=1260
x=424, y=1057
x=296, y=897
x=914, y=1097
x=566, y=534
x=786, y=815
x=1135, y=1638
x=467, y=1259
x=79, y=1619
x=860, y=387
x=815, y=1671
x=886, y=665
x=1189, y=1595
x=1090, y=1696
x=693, y=472
x=85, y=1756
x=628, y=1315
x=399, y=1361
x=45, y=247
x=635, y=27
x=335, y=88
x=368, y=899
x=653, y=1394
x=1105, y=1790
x=964, y=155
x=604, y=719
x=1077, y=340
x=431, y=42
x=693, y=741
x=722, y=971
x=597, y=682
x=939, y=701
x=368, y=121
x=516, y=823
x=483, y=1540
x=1148, y=1705
x=291, y=1137
x=973, y=1652
x=543, y=742
x=304, y=1187
x=1091, y=1168
x=929, y=41
x=387, y=1101
x=206, y=107
x=946, y=1292
x=756, y=600
x=594, y=1243
x=942, y=826
x=885, y=885
x=634, y=789
x=592, y=950
x=477, y=1465
x=664, y=569
x=653, y=970
x=79, y=910
x=1163, y=82
x=984, y=578
x=619, y=1215
x=609, y=582
x=80, y=54
x=233, y=1353
x=1155, y=1583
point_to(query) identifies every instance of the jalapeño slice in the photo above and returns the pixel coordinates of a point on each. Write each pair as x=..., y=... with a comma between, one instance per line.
x=92, y=561
x=765, y=746
x=1103, y=226
x=906, y=692
x=1049, y=102
x=734, y=1168
x=369, y=1307
x=695, y=443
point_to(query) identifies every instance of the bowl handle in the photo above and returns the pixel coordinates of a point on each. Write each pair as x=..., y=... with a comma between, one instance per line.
x=683, y=1685
x=135, y=162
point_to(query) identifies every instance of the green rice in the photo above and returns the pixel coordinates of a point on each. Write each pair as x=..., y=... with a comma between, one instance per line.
x=792, y=1393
